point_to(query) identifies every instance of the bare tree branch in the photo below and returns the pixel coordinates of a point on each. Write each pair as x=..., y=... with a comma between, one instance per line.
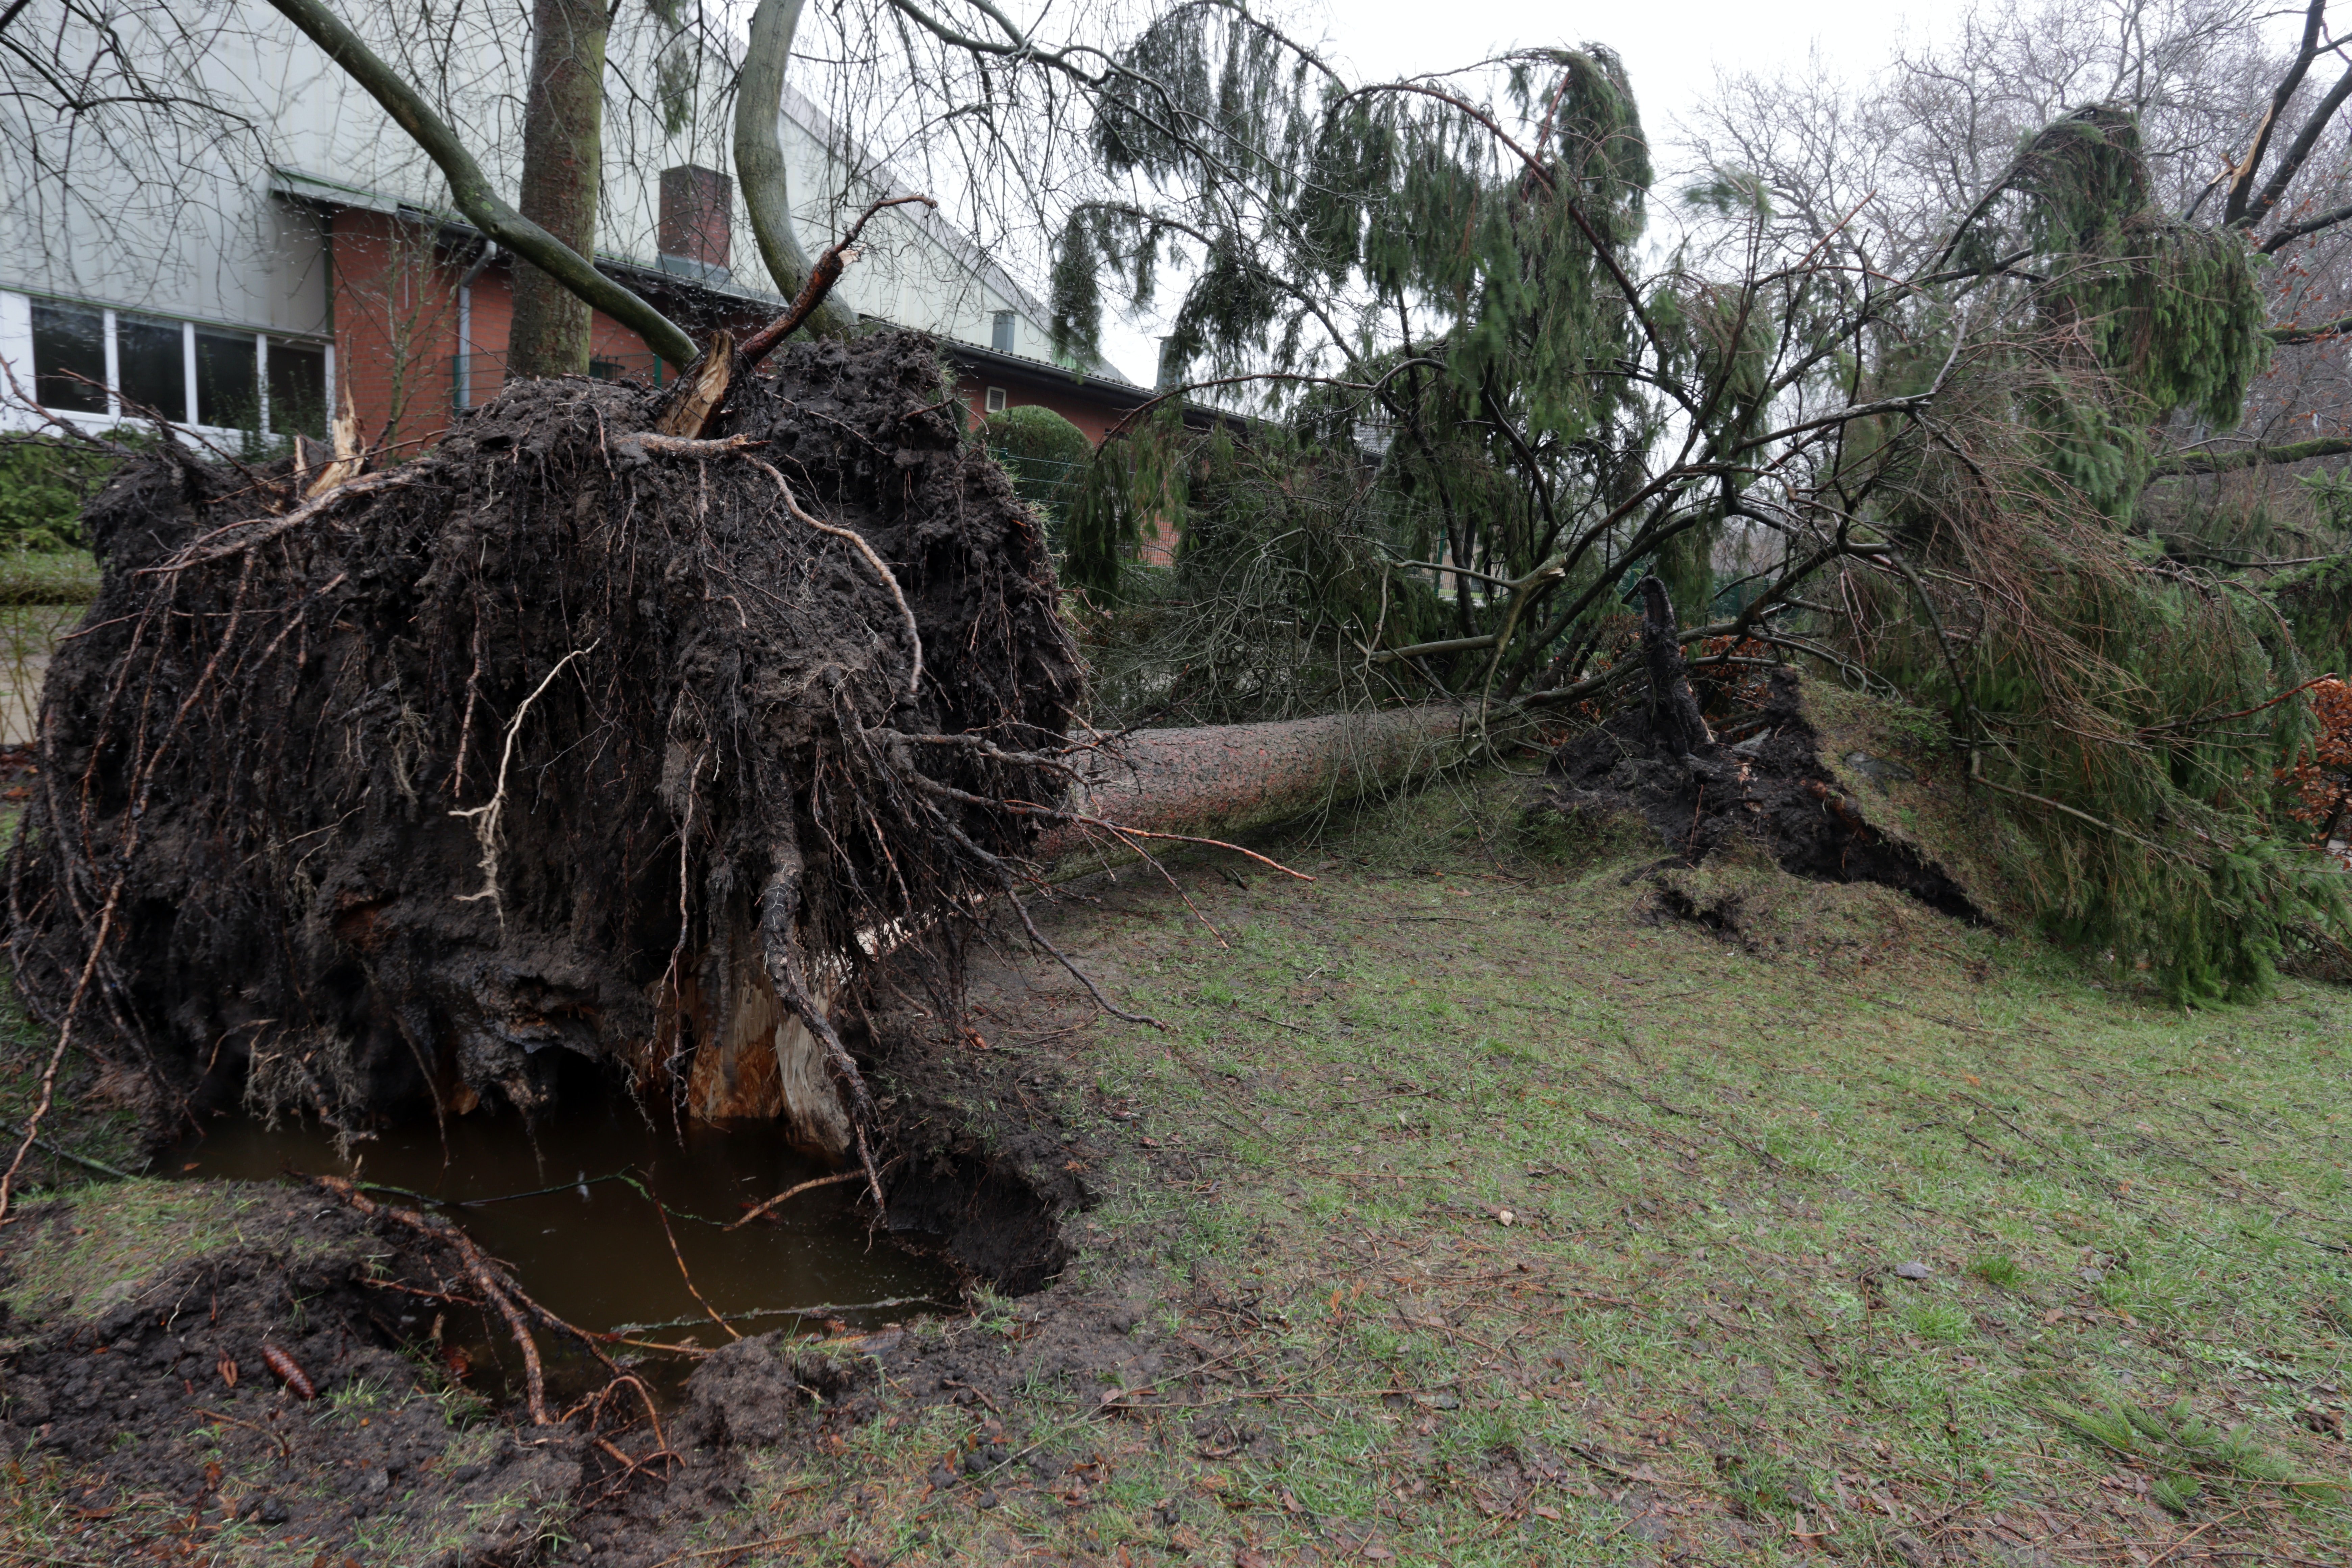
x=471, y=188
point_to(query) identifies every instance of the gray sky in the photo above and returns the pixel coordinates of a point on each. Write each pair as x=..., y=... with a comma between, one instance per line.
x=1672, y=49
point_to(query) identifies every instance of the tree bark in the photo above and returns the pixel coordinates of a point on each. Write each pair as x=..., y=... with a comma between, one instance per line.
x=1675, y=721
x=1220, y=779
x=562, y=158
x=471, y=188
x=759, y=162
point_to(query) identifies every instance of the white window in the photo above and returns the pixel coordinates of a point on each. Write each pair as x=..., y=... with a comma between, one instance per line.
x=122, y=364
x=996, y=400
x=1000, y=336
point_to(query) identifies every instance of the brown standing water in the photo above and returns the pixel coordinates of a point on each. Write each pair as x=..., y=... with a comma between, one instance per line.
x=571, y=1209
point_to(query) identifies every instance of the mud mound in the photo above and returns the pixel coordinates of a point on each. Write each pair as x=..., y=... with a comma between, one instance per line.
x=151, y=1410
x=560, y=738
x=1663, y=763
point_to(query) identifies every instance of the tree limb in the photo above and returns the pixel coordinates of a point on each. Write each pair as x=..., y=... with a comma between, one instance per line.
x=2234, y=210
x=811, y=304
x=2184, y=464
x=471, y=188
x=2298, y=150
x=760, y=165
x=2295, y=231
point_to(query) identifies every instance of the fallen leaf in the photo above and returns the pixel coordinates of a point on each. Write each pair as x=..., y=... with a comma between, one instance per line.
x=1542, y=1511
x=1504, y=1216
x=226, y=1368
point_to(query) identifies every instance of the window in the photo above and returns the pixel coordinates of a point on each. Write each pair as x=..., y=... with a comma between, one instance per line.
x=996, y=400
x=228, y=391
x=298, y=389
x=1000, y=337
x=70, y=359
x=151, y=366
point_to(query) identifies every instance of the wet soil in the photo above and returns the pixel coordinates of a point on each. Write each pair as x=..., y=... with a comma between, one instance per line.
x=117, y=1400
x=1764, y=785
x=164, y=1409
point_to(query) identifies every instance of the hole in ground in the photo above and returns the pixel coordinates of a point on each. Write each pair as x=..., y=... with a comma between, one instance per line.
x=568, y=1206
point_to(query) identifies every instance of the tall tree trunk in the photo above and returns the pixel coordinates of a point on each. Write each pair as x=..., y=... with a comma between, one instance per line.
x=562, y=145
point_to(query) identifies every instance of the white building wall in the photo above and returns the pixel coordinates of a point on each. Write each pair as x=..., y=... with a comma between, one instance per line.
x=194, y=232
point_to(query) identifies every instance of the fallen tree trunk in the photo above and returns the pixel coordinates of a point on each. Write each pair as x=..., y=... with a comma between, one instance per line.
x=1221, y=779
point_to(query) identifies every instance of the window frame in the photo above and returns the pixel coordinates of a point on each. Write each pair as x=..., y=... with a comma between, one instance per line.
x=190, y=398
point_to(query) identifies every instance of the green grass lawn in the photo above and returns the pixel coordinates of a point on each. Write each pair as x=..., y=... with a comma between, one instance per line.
x=1574, y=1233
x=1476, y=1210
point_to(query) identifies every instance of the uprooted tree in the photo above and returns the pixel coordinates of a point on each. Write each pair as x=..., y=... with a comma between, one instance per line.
x=635, y=727
x=1932, y=447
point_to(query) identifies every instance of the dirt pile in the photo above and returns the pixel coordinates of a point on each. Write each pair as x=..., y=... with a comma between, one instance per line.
x=564, y=737
x=1762, y=780
x=161, y=1411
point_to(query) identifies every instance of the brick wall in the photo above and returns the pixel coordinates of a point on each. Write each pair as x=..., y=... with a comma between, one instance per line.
x=396, y=329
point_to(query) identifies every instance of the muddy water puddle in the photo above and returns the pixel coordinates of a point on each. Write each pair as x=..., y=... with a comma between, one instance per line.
x=573, y=1211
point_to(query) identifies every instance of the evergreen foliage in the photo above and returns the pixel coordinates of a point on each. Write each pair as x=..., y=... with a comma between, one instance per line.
x=1285, y=567
x=1942, y=479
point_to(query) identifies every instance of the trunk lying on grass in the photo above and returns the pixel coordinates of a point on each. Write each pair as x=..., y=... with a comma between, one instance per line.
x=1218, y=781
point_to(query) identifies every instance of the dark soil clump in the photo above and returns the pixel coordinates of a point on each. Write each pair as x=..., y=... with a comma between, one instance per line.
x=1660, y=762
x=555, y=739
x=155, y=1412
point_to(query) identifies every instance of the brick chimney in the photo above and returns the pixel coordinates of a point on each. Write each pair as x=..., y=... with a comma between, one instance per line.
x=697, y=220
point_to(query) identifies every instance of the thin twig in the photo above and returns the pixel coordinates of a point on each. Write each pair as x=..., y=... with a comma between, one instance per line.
x=670, y=1236
x=499, y=1294
x=1101, y=1001
x=794, y=1192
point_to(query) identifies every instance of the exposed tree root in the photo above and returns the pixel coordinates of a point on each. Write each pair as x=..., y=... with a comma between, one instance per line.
x=1663, y=763
x=572, y=735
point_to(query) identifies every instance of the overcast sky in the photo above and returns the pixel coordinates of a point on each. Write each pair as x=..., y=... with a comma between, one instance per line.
x=1672, y=50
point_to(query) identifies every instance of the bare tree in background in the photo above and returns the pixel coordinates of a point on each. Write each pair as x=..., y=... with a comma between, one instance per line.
x=562, y=149
x=105, y=125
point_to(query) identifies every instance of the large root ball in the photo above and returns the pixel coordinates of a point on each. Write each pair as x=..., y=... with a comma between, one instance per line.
x=554, y=741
